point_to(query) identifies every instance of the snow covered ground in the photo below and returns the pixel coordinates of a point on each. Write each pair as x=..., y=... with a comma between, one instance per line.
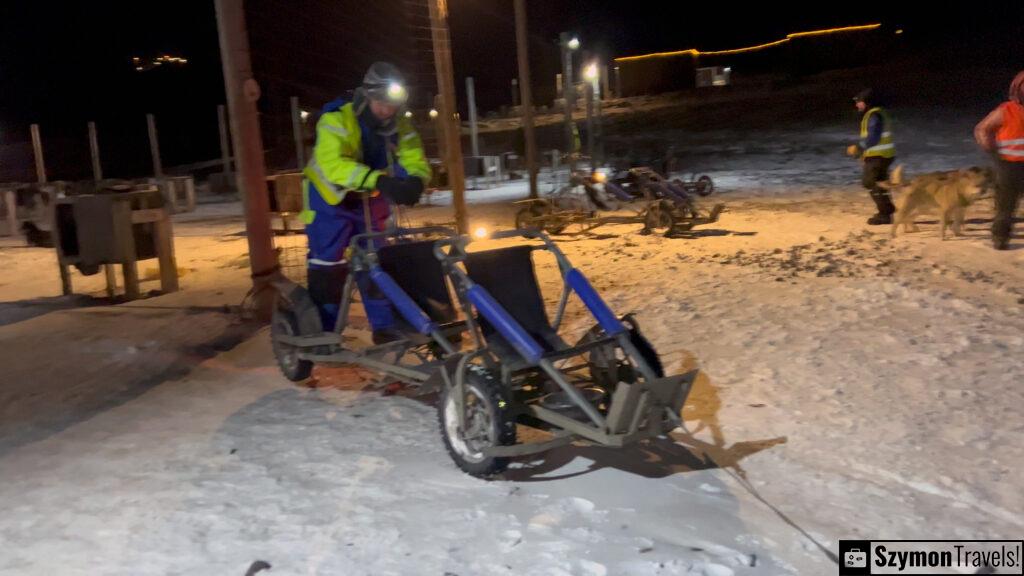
x=851, y=386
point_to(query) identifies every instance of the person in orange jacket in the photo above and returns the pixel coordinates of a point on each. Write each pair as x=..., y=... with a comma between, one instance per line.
x=1002, y=134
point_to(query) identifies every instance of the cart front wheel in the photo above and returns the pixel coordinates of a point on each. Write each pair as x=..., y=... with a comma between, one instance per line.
x=284, y=323
x=487, y=423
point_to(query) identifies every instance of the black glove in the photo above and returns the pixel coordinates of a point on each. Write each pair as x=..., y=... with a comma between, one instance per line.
x=405, y=191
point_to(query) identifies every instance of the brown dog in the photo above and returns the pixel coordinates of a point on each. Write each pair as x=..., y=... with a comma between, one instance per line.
x=949, y=193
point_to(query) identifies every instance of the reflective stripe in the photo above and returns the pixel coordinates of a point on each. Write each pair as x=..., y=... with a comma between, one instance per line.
x=324, y=185
x=335, y=130
x=307, y=215
x=881, y=147
x=1017, y=142
x=320, y=262
x=409, y=136
x=357, y=174
x=1011, y=152
x=886, y=134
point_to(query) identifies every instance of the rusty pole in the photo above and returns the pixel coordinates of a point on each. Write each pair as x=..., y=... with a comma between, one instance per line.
x=242, y=95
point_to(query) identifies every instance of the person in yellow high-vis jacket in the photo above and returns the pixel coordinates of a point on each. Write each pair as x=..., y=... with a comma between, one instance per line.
x=877, y=153
x=366, y=149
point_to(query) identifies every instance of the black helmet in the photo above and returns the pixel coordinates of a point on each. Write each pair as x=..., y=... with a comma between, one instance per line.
x=383, y=82
x=864, y=96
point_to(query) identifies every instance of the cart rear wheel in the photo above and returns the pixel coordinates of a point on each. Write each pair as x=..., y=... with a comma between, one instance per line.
x=284, y=323
x=488, y=423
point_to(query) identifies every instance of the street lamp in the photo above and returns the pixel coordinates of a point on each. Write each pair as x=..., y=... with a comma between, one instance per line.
x=574, y=43
x=433, y=113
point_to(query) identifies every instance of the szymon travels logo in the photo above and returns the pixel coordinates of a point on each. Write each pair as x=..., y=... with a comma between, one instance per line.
x=935, y=557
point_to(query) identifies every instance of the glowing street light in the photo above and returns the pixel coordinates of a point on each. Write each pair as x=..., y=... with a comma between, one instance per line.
x=590, y=72
x=433, y=113
x=574, y=43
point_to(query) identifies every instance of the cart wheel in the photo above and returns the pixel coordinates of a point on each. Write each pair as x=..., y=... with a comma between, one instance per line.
x=488, y=423
x=704, y=186
x=284, y=323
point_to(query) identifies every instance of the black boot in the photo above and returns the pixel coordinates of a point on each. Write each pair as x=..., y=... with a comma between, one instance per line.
x=885, y=208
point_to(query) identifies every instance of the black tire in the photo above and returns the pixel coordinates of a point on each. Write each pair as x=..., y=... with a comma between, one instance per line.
x=284, y=322
x=704, y=186
x=493, y=425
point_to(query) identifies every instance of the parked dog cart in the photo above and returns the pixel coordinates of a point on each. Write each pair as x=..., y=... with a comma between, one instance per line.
x=650, y=199
x=491, y=353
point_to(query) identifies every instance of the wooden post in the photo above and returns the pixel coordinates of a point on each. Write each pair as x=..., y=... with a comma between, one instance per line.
x=131, y=279
x=154, y=147
x=604, y=83
x=165, y=253
x=515, y=92
x=65, y=279
x=94, y=151
x=522, y=51
x=243, y=92
x=448, y=117
x=300, y=153
x=108, y=270
x=618, y=83
x=225, y=149
x=37, y=149
x=474, y=138
x=10, y=200
x=190, y=193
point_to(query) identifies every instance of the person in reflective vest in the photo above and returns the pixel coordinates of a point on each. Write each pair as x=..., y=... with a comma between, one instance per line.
x=1001, y=133
x=877, y=152
x=366, y=149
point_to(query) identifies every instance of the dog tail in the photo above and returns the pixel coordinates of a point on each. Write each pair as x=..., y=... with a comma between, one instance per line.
x=896, y=178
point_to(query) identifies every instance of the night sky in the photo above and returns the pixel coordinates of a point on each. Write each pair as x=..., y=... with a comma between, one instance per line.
x=71, y=61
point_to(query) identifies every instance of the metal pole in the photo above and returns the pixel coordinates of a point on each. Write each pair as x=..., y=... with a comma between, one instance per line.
x=474, y=136
x=598, y=133
x=243, y=92
x=522, y=50
x=225, y=148
x=154, y=147
x=94, y=150
x=569, y=98
x=588, y=92
x=448, y=117
x=515, y=92
x=604, y=83
x=439, y=133
x=37, y=149
x=300, y=153
x=618, y=83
